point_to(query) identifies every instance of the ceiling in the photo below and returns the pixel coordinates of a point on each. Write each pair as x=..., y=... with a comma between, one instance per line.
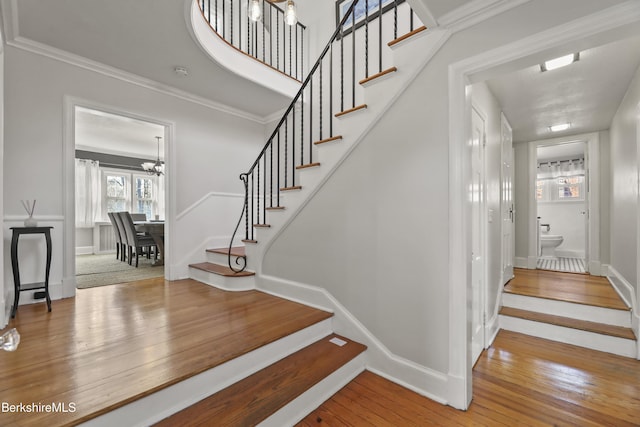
x=585, y=94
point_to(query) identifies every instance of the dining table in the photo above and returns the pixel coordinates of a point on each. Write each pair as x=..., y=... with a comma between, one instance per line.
x=156, y=230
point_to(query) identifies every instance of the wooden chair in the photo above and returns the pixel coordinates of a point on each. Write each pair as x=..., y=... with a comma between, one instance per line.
x=136, y=241
x=116, y=231
x=138, y=217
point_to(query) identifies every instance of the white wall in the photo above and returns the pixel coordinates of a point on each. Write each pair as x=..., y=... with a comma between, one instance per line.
x=211, y=147
x=624, y=186
x=522, y=200
x=487, y=103
x=376, y=234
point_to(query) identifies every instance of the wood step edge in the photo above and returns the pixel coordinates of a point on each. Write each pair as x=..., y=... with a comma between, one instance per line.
x=378, y=75
x=333, y=138
x=258, y=396
x=220, y=270
x=309, y=165
x=406, y=36
x=275, y=208
x=351, y=110
x=295, y=187
x=569, y=301
x=249, y=241
x=235, y=251
x=567, y=322
x=262, y=225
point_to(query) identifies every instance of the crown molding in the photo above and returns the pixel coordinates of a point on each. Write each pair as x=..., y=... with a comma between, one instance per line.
x=9, y=9
x=476, y=11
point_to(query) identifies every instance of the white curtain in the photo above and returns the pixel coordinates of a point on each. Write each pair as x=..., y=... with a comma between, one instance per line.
x=557, y=169
x=87, y=192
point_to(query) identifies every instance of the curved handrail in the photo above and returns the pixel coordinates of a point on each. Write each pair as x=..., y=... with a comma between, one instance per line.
x=278, y=158
x=282, y=49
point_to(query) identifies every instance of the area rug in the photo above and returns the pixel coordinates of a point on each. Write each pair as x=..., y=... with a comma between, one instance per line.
x=568, y=265
x=101, y=270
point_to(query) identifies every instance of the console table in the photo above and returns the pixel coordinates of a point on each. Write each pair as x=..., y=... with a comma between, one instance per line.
x=16, y=233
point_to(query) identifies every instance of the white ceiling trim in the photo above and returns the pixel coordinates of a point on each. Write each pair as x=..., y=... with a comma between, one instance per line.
x=10, y=20
x=475, y=12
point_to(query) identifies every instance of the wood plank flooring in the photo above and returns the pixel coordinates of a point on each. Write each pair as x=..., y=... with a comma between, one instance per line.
x=577, y=288
x=520, y=380
x=114, y=344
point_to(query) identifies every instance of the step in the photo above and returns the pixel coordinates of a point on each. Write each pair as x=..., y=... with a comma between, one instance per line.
x=332, y=139
x=222, y=277
x=361, y=107
x=269, y=396
x=404, y=37
x=220, y=255
x=569, y=309
x=165, y=402
x=309, y=165
x=378, y=76
x=571, y=331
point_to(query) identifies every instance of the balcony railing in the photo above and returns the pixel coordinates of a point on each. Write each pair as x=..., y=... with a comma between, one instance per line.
x=269, y=40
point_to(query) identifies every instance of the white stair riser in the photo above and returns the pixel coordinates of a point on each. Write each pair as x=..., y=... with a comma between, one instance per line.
x=567, y=309
x=243, y=283
x=168, y=401
x=304, y=404
x=594, y=341
x=222, y=259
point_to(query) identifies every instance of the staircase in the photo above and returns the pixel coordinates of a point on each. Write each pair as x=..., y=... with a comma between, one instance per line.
x=585, y=322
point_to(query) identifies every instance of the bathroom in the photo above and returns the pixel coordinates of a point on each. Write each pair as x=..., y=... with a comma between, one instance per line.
x=562, y=207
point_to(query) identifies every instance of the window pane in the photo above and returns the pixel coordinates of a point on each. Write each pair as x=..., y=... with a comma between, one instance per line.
x=146, y=207
x=116, y=186
x=144, y=188
x=116, y=205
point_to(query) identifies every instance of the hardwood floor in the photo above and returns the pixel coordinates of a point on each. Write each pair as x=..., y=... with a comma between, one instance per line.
x=114, y=344
x=578, y=288
x=520, y=380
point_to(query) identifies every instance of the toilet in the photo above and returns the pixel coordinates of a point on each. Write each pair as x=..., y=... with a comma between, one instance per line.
x=548, y=245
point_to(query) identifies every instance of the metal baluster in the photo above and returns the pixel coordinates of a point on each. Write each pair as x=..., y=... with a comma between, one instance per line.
x=278, y=40
x=366, y=38
x=223, y=19
x=321, y=96
x=271, y=173
x=290, y=39
x=293, y=147
x=286, y=149
x=208, y=11
x=264, y=192
x=302, y=128
x=341, y=69
x=278, y=172
x=296, y=61
x=302, y=55
x=258, y=199
x=271, y=36
x=263, y=16
x=252, y=204
x=410, y=19
x=216, y=26
x=353, y=58
x=255, y=43
x=395, y=19
x=379, y=36
x=246, y=207
x=231, y=20
x=310, y=119
x=331, y=91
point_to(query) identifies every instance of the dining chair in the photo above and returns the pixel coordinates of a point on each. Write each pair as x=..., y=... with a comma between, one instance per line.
x=116, y=231
x=138, y=217
x=136, y=241
x=123, y=235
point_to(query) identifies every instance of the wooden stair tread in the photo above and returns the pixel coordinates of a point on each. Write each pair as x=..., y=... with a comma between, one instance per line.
x=584, y=325
x=249, y=241
x=275, y=208
x=295, y=187
x=310, y=165
x=253, y=399
x=262, y=225
x=351, y=110
x=222, y=270
x=333, y=138
x=378, y=75
x=406, y=36
x=235, y=251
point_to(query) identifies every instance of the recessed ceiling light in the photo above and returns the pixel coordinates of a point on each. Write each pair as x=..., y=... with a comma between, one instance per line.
x=562, y=61
x=560, y=127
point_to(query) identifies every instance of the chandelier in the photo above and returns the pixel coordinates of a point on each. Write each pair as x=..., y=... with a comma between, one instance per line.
x=290, y=16
x=156, y=168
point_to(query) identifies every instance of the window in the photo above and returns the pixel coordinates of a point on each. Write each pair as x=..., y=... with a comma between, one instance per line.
x=129, y=191
x=570, y=188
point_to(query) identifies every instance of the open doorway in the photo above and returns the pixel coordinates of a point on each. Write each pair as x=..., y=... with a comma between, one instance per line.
x=562, y=205
x=119, y=167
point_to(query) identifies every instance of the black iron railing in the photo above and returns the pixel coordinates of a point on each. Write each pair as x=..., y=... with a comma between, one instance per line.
x=269, y=40
x=308, y=121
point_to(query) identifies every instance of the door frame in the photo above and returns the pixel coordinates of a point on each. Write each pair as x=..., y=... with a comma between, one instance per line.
x=613, y=23
x=504, y=123
x=592, y=199
x=68, y=158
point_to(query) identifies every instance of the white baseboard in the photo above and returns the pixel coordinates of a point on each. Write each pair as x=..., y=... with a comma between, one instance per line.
x=520, y=262
x=622, y=287
x=380, y=359
x=492, y=328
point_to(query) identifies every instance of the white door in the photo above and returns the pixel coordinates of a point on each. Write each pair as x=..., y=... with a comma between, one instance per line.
x=477, y=233
x=506, y=201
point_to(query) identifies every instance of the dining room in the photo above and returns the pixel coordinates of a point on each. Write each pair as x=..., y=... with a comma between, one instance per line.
x=119, y=198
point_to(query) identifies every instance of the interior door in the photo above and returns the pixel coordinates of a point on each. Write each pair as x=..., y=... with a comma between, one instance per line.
x=477, y=198
x=506, y=201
